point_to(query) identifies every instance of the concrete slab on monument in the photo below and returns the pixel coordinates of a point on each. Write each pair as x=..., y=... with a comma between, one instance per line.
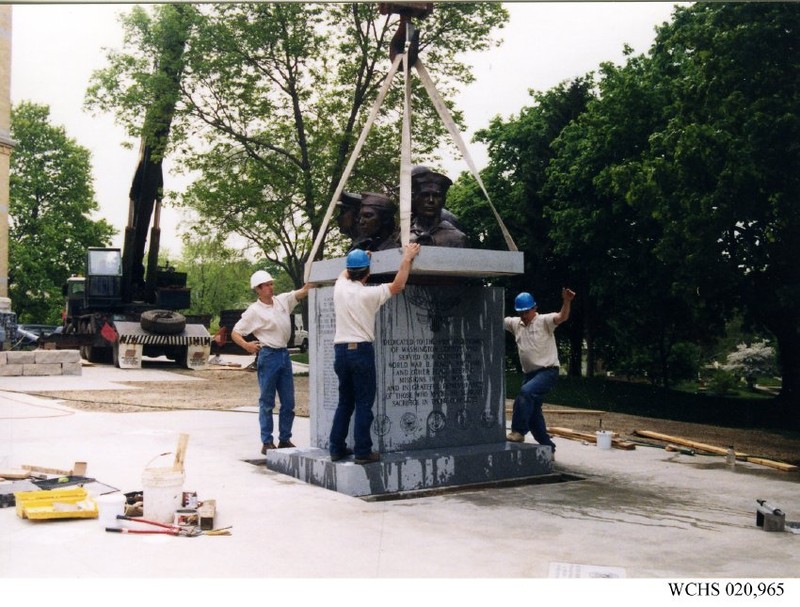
x=417, y=470
x=431, y=261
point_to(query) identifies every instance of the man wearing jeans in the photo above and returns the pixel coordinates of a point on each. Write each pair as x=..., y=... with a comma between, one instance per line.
x=356, y=305
x=269, y=320
x=538, y=354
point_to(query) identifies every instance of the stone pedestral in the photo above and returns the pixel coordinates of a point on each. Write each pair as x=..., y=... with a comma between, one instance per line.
x=439, y=361
x=440, y=403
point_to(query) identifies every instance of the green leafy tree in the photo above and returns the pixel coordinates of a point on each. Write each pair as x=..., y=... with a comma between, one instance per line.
x=520, y=150
x=274, y=98
x=217, y=275
x=51, y=202
x=720, y=173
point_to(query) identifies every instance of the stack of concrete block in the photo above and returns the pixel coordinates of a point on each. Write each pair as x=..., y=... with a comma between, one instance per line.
x=40, y=362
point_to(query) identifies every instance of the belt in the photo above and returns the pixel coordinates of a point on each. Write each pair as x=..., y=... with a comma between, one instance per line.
x=353, y=345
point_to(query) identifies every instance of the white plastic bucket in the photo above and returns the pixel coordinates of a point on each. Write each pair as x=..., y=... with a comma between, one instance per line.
x=110, y=506
x=603, y=439
x=163, y=493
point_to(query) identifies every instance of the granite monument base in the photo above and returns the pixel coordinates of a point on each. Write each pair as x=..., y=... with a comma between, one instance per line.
x=440, y=399
x=416, y=470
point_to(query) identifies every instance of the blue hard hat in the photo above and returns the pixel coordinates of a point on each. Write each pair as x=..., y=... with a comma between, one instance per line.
x=524, y=301
x=357, y=259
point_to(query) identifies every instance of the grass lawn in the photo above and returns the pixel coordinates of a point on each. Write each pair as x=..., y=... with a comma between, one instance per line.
x=744, y=410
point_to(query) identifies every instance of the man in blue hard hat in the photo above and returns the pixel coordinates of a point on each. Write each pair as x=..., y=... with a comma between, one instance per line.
x=355, y=307
x=269, y=320
x=538, y=354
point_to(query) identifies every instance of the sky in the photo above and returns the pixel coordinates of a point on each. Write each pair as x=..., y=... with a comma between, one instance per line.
x=56, y=47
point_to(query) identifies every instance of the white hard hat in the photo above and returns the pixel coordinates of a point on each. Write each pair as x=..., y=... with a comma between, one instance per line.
x=259, y=278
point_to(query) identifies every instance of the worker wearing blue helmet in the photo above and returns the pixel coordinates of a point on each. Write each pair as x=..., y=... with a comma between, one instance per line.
x=355, y=306
x=538, y=355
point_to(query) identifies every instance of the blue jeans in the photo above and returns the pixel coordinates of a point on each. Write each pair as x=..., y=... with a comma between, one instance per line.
x=355, y=368
x=527, y=414
x=275, y=375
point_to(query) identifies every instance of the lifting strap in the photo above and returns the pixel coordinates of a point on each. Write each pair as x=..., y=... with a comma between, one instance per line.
x=351, y=163
x=405, y=156
x=444, y=114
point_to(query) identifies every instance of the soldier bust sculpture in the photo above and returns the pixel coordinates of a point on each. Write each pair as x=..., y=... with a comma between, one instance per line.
x=376, y=226
x=347, y=219
x=428, y=225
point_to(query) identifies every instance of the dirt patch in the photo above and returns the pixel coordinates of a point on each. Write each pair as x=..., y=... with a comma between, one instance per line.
x=225, y=389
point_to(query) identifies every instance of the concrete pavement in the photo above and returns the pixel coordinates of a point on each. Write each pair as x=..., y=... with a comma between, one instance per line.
x=646, y=515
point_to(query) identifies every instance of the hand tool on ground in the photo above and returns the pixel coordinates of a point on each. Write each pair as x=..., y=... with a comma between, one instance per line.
x=165, y=529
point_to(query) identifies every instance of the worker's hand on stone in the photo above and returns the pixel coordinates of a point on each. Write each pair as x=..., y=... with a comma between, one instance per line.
x=411, y=250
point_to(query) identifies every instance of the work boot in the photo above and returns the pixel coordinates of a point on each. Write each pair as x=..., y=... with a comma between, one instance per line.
x=515, y=437
x=285, y=444
x=335, y=457
x=369, y=459
x=266, y=446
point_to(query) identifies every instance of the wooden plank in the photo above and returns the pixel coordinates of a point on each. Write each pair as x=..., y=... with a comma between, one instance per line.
x=47, y=470
x=772, y=464
x=687, y=443
x=716, y=450
x=590, y=437
x=13, y=474
x=180, y=452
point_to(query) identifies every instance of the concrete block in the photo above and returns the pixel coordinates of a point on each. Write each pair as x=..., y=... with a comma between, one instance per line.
x=71, y=368
x=42, y=369
x=56, y=356
x=21, y=358
x=10, y=370
x=3, y=360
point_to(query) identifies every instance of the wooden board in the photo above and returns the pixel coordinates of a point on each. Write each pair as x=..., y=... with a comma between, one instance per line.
x=716, y=450
x=590, y=437
x=13, y=474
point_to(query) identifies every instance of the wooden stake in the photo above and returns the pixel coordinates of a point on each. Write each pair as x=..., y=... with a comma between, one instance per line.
x=180, y=452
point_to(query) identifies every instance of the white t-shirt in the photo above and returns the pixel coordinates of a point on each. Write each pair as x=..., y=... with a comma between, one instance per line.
x=356, y=306
x=536, y=342
x=271, y=325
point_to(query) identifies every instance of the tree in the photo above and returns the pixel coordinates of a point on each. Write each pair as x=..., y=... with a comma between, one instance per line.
x=274, y=97
x=217, y=275
x=757, y=359
x=721, y=172
x=520, y=150
x=51, y=201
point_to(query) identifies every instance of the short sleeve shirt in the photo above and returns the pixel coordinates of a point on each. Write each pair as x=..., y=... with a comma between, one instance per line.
x=270, y=324
x=536, y=342
x=356, y=306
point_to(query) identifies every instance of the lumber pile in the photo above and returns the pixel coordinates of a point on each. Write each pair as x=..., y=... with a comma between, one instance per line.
x=706, y=448
x=590, y=437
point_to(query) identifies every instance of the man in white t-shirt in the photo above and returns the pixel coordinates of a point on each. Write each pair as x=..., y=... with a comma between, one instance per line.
x=269, y=320
x=356, y=305
x=538, y=354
